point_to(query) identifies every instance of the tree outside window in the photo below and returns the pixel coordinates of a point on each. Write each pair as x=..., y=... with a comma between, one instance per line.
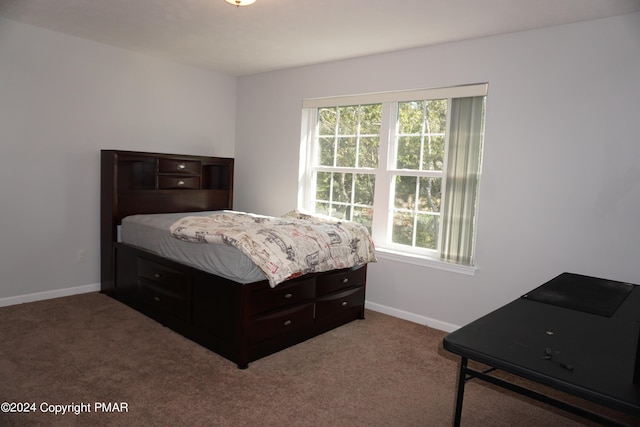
x=395, y=166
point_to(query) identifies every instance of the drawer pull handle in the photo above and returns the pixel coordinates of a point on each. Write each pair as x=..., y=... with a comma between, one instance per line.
x=180, y=183
x=157, y=275
x=345, y=280
x=181, y=166
x=344, y=303
x=287, y=322
x=157, y=299
x=287, y=296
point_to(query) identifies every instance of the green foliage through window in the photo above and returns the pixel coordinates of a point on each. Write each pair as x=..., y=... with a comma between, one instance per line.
x=348, y=137
x=400, y=145
x=420, y=147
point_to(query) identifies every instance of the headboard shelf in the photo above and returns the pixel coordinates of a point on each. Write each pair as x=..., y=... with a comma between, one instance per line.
x=135, y=182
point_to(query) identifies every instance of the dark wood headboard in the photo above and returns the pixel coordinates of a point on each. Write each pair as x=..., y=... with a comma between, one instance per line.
x=142, y=183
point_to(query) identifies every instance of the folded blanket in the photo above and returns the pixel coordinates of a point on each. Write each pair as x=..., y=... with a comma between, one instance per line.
x=283, y=247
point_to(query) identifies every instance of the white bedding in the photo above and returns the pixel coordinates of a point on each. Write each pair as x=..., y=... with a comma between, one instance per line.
x=151, y=232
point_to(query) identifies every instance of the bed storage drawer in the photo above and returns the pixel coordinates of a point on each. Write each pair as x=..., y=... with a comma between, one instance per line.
x=281, y=322
x=343, y=279
x=177, y=182
x=282, y=295
x=163, y=288
x=174, y=280
x=332, y=304
x=163, y=300
x=174, y=166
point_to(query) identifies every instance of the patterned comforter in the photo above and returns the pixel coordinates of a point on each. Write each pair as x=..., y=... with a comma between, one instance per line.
x=283, y=247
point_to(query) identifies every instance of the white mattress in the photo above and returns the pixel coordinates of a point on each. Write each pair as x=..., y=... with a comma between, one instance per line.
x=151, y=232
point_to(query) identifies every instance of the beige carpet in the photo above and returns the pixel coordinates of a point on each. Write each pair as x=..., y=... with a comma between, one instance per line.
x=380, y=371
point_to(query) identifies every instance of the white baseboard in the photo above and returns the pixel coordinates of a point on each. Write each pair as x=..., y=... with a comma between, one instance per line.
x=411, y=317
x=39, y=296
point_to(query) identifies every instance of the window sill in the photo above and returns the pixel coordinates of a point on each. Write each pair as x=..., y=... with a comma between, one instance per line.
x=425, y=261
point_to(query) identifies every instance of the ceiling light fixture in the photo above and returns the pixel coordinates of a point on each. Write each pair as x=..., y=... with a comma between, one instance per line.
x=239, y=3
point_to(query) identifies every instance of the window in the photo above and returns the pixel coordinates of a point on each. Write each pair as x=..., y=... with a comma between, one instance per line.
x=404, y=164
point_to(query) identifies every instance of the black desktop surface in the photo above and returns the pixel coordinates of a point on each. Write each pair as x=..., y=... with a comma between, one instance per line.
x=574, y=350
x=582, y=293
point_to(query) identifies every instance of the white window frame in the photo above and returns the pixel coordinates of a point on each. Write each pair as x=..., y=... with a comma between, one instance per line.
x=382, y=219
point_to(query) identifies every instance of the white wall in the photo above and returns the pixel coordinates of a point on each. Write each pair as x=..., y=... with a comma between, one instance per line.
x=62, y=99
x=561, y=184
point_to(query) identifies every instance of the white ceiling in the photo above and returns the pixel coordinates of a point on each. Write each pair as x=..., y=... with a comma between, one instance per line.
x=278, y=34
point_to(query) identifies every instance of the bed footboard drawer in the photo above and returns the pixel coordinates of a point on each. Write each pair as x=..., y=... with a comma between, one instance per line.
x=333, y=304
x=343, y=279
x=282, y=295
x=282, y=322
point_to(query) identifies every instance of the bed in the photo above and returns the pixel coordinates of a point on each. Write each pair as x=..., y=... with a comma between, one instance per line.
x=217, y=297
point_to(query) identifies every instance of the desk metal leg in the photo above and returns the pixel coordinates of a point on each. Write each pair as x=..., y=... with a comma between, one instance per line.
x=467, y=373
x=462, y=376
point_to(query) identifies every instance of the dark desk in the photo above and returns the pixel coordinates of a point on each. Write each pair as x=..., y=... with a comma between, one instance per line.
x=570, y=349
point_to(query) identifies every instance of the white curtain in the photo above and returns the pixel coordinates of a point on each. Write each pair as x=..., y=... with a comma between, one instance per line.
x=463, y=170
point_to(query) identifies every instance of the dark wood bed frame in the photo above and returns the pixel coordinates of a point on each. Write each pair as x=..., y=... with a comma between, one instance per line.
x=240, y=322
